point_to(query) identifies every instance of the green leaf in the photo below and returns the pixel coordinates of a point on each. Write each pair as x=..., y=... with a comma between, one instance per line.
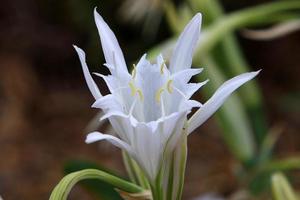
x=63, y=188
x=259, y=176
x=99, y=188
x=281, y=188
x=251, y=16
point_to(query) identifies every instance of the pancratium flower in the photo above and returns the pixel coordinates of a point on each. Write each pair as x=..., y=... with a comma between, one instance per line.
x=148, y=107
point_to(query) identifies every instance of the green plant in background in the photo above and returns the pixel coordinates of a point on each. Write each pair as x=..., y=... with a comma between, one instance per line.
x=281, y=188
x=241, y=119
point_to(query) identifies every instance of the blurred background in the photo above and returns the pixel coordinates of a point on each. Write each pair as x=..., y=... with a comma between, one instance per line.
x=45, y=103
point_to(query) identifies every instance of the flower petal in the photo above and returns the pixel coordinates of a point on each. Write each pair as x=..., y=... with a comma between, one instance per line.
x=219, y=97
x=183, y=53
x=97, y=136
x=184, y=76
x=89, y=80
x=112, y=51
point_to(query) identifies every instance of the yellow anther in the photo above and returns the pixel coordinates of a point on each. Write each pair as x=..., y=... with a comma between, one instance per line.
x=132, y=88
x=158, y=94
x=169, y=86
x=133, y=73
x=135, y=90
x=162, y=67
x=140, y=93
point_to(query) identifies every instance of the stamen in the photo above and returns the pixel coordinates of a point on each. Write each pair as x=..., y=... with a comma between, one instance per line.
x=140, y=93
x=162, y=67
x=133, y=73
x=132, y=88
x=158, y=94
x=169, y=86
x=135, y=90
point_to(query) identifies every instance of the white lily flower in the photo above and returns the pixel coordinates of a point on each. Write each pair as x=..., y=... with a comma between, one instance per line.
x=148, y=107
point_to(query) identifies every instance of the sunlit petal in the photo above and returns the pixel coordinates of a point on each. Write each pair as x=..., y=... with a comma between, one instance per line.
x=112, y=51
x=183, y=53
x=97, y=136
x=89, y=80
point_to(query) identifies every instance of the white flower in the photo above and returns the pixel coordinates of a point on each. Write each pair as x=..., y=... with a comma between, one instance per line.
x=148, y=108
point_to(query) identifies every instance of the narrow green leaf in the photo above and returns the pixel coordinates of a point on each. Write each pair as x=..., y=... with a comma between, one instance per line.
x=63, y=188
x=98, y=188
x=259, y=176
x=281, y=188
x=246, y=17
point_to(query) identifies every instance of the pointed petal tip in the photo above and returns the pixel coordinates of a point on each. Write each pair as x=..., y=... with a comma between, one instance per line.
x=95, y=11
x=97, y=16
x=206, y=81
x=89, y=80
x=77, y=48
x=90, y=138
x=144, y=56
x=95, y=104
x=200, y=70
x=79, y=51
x=198, y=16
x=255, y=73
x=197, y=20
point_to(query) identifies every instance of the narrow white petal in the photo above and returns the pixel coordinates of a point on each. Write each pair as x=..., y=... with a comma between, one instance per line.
x=108, y=102
x=183, y=53
x=194, y=87
x=112, y=83
x=97, y=136
x=89, y=80
x=185, y=75
x=112, y=51
x=219, y=97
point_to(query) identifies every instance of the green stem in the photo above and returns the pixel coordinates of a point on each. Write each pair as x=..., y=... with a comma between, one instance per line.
x=136, y=175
